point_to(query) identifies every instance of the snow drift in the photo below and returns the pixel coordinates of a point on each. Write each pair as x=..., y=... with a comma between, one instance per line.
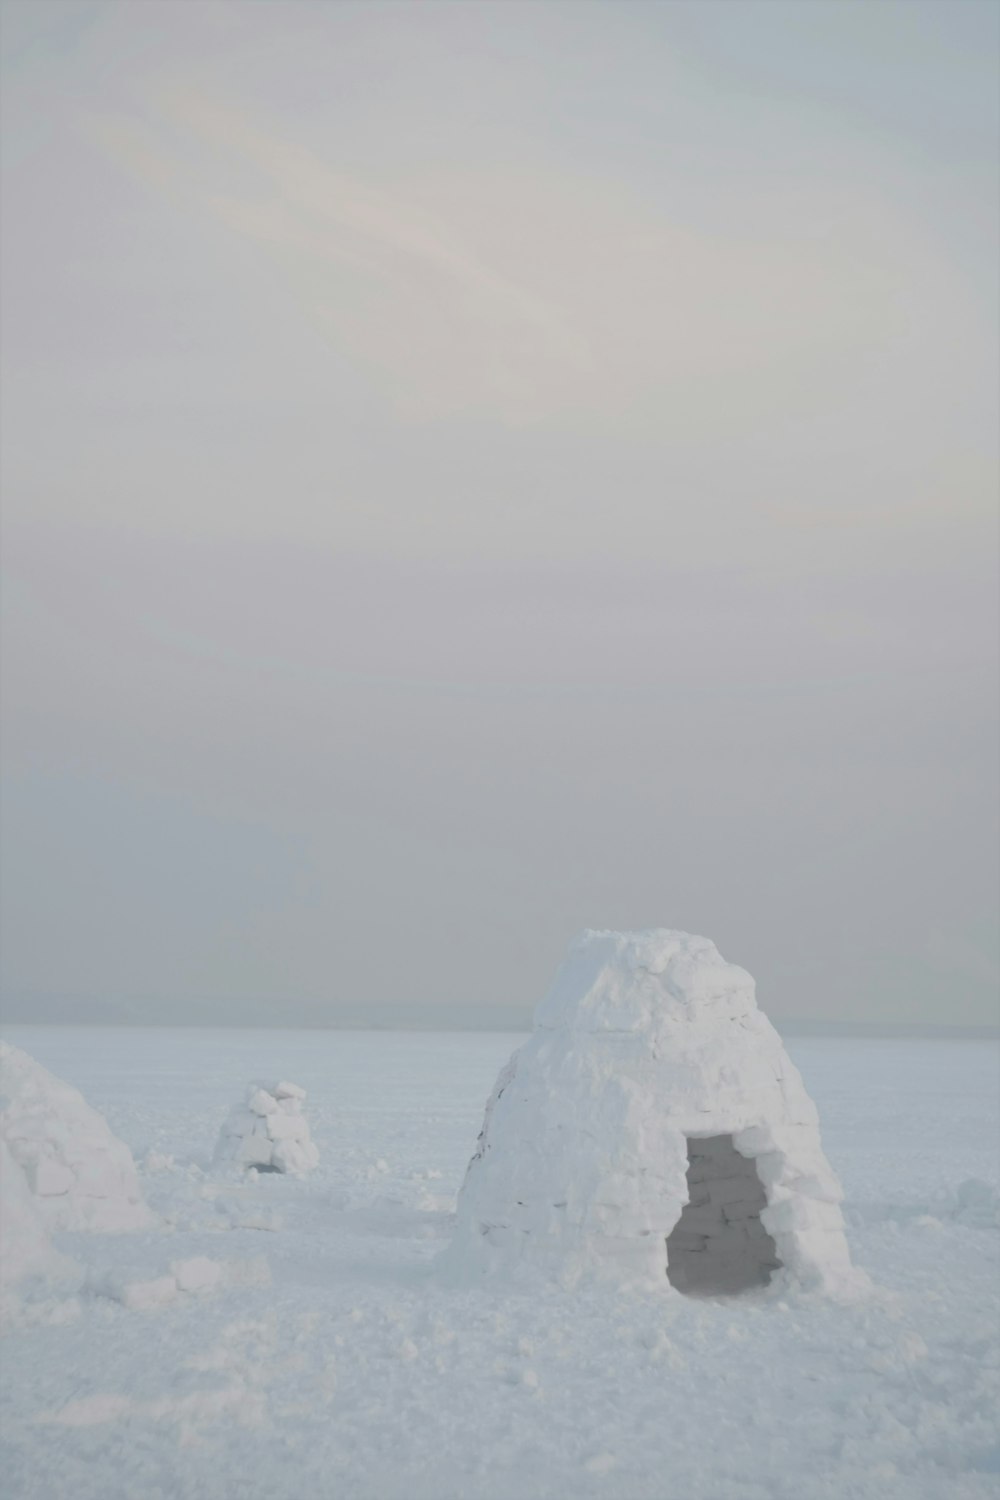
x=615, y=1128
x=79, y=1175
x=268, y=1132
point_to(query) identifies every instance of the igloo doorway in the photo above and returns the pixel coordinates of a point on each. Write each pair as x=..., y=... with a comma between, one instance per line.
x=719, y=1247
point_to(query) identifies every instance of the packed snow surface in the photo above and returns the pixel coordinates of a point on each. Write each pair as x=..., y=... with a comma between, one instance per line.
x=268, y=1131
x=79, y=1174
x=275, y=1338
x=647, y=1042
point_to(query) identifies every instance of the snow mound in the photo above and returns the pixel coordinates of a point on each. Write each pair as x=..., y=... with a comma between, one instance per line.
x=652, y=1088
x=79, y=1175
x=269, y=1131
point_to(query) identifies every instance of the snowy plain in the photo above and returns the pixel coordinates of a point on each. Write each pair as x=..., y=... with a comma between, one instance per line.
x=332, y=1360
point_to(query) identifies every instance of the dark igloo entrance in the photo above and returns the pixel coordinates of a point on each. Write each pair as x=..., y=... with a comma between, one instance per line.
x=718, y=1245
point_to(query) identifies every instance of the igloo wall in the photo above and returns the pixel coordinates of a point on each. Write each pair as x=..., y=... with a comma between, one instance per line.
x=647, y=1040
x=80, y=1175
x=26, y=1251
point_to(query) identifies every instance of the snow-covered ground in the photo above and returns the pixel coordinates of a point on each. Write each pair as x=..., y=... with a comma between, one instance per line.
x=326, y=1358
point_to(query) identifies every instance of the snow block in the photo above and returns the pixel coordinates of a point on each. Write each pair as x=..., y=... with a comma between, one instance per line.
x=652, y=1082
x=261, y=1102
x=198, y=1274
x=285, y=1090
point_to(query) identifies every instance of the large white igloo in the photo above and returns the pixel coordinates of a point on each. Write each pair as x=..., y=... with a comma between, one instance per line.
x=653, y=1128
x=80, y=1175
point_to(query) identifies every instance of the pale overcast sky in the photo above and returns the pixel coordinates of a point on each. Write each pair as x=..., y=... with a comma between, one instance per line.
x=474, y=471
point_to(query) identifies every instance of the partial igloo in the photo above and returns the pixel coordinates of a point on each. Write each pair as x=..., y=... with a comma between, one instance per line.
x=268, y=1132
x=653, y=1128
x=80, y=1175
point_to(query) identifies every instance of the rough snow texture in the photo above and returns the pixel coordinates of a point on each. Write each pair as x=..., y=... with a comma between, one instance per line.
x=646, y=1041
x=80, y=1176
x=269, y=1131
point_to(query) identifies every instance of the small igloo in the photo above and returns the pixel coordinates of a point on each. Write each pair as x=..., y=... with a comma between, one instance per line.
x=269, y=1132
x=80, y=1175
x=653, y=1128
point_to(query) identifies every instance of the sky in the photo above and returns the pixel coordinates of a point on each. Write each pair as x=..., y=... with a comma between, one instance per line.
x=474, y=472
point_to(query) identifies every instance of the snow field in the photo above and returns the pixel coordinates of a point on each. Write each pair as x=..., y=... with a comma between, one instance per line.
x=358, y=1371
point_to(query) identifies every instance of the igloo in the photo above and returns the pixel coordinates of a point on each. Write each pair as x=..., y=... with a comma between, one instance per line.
x=80, y=1175
x=268, y=1132
x=653, y=1128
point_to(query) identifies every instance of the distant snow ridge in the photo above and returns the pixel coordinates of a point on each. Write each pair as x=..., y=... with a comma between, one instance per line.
x=269, y=1131
x=653, y=1127
x=79, y=1174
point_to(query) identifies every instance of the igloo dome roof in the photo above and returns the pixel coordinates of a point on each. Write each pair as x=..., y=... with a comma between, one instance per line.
x=641, y=981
